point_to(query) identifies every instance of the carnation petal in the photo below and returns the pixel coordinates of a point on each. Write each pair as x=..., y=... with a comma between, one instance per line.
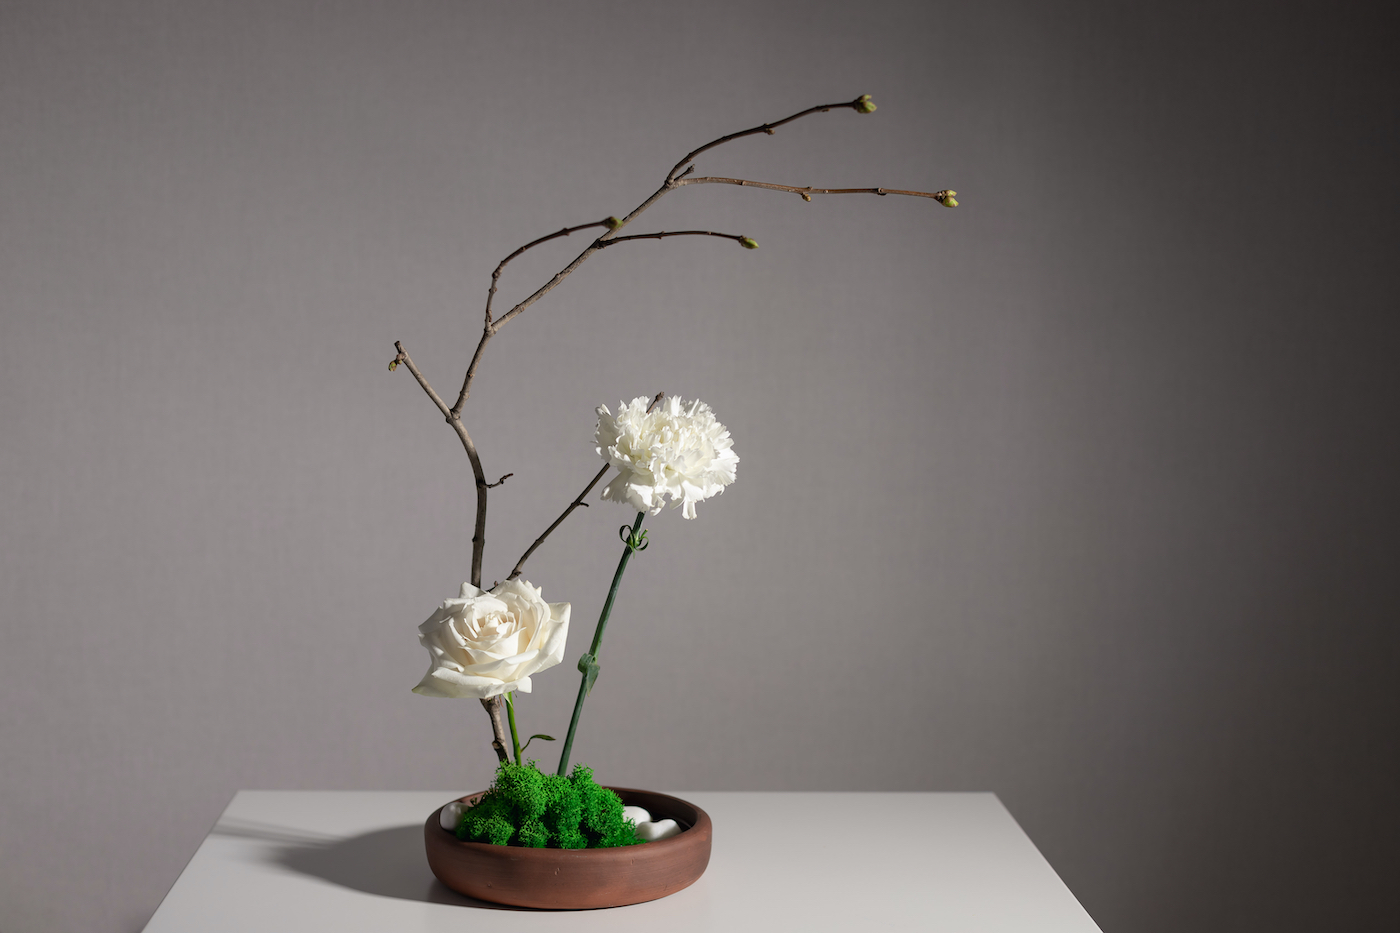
x=677, y=451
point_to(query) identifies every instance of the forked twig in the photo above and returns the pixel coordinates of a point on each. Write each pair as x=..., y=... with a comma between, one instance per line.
x=495, y=276
x=860, y=105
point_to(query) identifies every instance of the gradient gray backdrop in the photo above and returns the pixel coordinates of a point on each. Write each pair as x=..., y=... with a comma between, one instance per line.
x=1082, y=493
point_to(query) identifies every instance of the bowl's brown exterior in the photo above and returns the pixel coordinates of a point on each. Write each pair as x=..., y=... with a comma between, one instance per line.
x=573, y=879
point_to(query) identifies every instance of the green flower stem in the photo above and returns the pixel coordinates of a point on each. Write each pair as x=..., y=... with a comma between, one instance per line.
x=590, y=660
x=514, y=736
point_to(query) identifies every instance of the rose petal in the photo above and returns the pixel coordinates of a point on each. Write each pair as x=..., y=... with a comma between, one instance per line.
x=503, y=666
x=556, y=634
x=486, y=644
x=441, y=682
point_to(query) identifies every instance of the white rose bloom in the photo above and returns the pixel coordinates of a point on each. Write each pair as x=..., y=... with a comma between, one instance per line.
x=485, y=644
x=677, y=450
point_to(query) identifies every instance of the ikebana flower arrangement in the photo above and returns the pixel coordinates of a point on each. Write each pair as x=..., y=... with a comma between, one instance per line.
x=487, y=645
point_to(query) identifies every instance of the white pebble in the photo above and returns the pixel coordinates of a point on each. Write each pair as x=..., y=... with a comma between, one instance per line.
x=638, y=815
x=451, y=814
x=662, y=829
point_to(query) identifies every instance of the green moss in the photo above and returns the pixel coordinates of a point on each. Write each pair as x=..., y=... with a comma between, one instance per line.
x=533, y=834
x=528, y=808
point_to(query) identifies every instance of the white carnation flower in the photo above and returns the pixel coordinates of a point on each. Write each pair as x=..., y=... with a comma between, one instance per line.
x=678, y=450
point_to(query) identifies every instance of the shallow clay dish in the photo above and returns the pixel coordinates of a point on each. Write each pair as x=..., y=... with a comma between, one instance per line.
x=573, y=879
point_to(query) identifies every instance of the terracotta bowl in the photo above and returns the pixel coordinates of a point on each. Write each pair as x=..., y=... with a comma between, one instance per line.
x=573, y=879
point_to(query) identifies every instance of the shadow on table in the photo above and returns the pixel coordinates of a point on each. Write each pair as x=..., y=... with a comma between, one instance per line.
x=388, y=862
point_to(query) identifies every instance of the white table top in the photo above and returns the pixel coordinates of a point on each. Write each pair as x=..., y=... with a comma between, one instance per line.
x=353, y=861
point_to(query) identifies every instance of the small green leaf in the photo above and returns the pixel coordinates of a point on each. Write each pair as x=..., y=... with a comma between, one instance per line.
x=541, y=735
x=864, y=104
x=394, y=365
x=547, y=738
x=748, y=243
x=612, y=223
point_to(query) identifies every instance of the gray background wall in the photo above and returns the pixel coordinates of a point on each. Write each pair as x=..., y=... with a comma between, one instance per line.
x=1082, y=493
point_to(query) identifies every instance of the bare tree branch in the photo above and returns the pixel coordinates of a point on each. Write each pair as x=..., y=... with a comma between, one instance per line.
x=488, y=330
x=860, y=105
x=738, y=238
x=578, y=261
x=578, y=501
x=495, y=276
x=940, y=196
x=493, y=706
x=404, y=358
x=455, y=420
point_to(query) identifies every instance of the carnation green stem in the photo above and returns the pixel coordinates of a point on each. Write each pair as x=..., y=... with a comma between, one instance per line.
x=514, y=736
x=584, y=684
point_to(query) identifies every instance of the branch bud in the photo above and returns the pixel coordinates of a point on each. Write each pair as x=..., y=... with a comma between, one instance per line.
x=864, y=104
x=612, y=223
x=393, y=365
x=747, y=243
x=948, y=200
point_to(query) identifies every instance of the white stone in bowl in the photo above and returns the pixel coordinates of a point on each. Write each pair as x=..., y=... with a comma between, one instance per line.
x=661, y=829
x=638, y=815
x=451, y=814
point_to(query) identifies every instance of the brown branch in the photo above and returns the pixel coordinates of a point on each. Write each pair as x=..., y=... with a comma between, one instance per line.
x=578, y=501
x=940, y=196
x=455, y=420
x=663, y=234
x=499, y=481
x=404, y=358
x=495, y=276
x=564, y=273
x=494, y=706
x=859, y=105
x=488, y=329
x=491, y=327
